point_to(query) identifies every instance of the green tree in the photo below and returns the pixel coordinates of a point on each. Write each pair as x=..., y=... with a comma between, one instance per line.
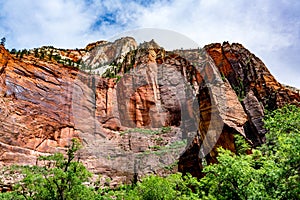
x=174, y=187
x=3, y=40
x=13, y=51
x=36, y=52
x=60, y=178
x=271, y=172
x=283, y=148
x=11, y=196
x=42, y=55
x=24, y=51
x=18, y=53
x=51, y=54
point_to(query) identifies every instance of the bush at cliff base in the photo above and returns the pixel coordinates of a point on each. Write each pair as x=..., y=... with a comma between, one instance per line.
x=269, y=172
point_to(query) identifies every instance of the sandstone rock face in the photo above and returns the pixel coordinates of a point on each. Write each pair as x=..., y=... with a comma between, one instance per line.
x=256, y=88
x=35, y=109
x=102, y=55
x=164, y=107
x=250, y=89
x=90, y=46
x=44, y=105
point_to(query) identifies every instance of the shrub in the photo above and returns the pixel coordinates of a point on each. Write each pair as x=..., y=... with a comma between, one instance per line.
x=59, y=178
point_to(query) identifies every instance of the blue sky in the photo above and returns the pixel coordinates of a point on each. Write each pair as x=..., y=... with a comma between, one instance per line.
x=268, y=28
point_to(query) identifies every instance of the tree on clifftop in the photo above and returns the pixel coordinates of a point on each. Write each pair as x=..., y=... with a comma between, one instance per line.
x=3, y=40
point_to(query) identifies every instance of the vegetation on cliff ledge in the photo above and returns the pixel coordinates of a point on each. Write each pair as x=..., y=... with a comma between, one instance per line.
x=268, y=172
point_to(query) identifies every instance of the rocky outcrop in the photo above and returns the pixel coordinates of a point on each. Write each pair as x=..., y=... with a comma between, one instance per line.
x=161, y=107
x=251, y=89
x=102, y=55
x=296, y=90
x=256, y=88
x=90, y=46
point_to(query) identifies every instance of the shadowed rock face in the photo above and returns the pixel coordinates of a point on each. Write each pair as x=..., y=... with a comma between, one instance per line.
x=206, y=97
x=248, y=81
x=256, y=88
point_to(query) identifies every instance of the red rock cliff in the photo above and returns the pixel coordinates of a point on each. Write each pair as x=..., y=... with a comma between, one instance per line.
x=205, y=96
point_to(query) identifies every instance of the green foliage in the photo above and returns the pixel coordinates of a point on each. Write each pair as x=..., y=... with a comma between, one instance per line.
x=166, y=129
x=241, y=145
x=171, y=166
x=59, y=177
x=23, y=52
x=172, y=187
x=240, y=90
x=223, y=77
x=283, y=148
x=3, y=40
x=42, y=55
x=272, y=172
x=18, y=53
x=36, y=52
x=50, y=55
x=11, y=196
x=234, y=177
x=113, y=71
x=13, y=51
x=154, y=187
x=158, y=131
x=281, y=123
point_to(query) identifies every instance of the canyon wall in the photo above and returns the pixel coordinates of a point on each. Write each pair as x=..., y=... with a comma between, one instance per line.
x=159, y=109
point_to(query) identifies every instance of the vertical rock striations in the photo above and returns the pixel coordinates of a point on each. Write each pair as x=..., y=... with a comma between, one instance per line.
x=178, y=105
x=256, y=88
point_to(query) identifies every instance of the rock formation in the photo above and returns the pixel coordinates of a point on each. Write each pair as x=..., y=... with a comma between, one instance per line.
x=153, y=109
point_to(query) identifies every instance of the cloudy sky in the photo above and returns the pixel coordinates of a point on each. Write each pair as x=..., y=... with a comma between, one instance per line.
x=268, y=28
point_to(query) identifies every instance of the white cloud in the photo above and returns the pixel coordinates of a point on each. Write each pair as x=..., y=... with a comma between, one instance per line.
x=270, y=29
x=217, y=21
x=34, y=23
